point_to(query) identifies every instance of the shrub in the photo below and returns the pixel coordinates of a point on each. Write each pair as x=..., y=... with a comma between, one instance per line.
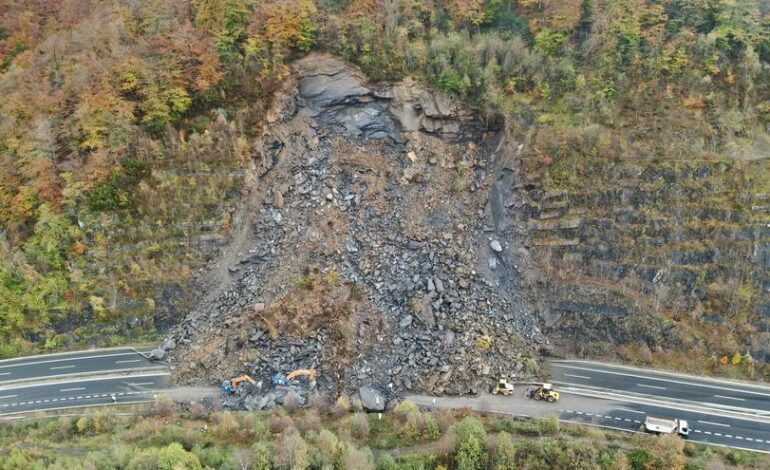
x=262, y=458
x=359, y=426
x=291, y=450
x=359, y=459
x=329, y=446
x=469, y=434
x=171, y=457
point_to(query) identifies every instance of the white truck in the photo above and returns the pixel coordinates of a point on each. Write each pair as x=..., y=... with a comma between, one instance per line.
x=666, y=426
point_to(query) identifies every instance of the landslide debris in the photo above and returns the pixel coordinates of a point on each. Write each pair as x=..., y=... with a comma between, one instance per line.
x=379, y=246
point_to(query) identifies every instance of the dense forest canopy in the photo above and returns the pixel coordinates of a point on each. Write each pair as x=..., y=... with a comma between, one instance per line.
x=101, y=100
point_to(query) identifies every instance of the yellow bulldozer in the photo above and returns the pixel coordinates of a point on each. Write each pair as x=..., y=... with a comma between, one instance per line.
x=503, y=387
x=544, y=392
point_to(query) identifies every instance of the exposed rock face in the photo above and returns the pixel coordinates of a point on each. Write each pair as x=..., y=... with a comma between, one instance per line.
x=662, y=255
x=338, y=95
x=367, y=254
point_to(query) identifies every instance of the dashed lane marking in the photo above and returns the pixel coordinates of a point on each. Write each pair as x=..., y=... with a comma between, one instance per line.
x=714, y=424
x=656, y=387
x=729, y=398
x=729, y=435
x=706, y=432
x=578, y=376
x=718, y=434
x=62, y=367
x=128, y=362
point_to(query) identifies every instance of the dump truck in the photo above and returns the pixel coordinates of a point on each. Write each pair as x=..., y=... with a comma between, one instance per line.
x=666, y=426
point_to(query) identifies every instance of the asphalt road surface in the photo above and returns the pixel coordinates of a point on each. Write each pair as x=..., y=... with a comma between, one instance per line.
x=82, y=392
x=714, y=393
x=102, y=361
x=706, y=426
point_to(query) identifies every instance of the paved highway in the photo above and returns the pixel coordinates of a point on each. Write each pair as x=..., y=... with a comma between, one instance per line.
x=707, y=427
x=99, y=361
x=738, y=396
x=82, y=392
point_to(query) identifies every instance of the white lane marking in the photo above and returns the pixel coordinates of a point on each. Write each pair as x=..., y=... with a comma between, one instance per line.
x=626, y=419
x=697, y=430
x=661, y=379
x=729, y=398
x=750, y=439
x=578, y=376
x=5, y=373
x=706, y=432
x=8, y=396
x=153, y=383
x=729, y=435
x=579, y=412
x=637, y=422
x=739, y=437
x=718, y=434
x=589, y=414
x=633, y=411
x=126, y=362
x=72, y=389
x=67, y=359
x=652, y=386
x=62, y=367
x=715, y=424
x=618, y=419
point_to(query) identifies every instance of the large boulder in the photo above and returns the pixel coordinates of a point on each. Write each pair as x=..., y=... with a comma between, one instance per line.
x=157, y=354
x=371, y=399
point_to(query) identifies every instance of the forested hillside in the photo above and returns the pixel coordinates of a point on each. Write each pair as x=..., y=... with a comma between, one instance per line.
x=126, y=126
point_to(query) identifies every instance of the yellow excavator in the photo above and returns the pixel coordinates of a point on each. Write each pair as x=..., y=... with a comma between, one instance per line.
x=279, y=379
x=231, y=386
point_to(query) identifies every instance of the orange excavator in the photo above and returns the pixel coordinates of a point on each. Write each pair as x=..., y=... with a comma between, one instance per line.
x=279, y=379
x=231, y=386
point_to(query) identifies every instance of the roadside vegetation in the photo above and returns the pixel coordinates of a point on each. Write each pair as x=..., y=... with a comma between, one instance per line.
x=339, y=435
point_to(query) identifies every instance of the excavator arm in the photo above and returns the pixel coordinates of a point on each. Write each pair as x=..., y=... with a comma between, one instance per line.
x=243, y=378
x=310, y=373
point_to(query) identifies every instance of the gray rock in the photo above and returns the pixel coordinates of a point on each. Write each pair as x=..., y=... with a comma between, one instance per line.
x=439, y=285
x=371, y=399
x=406, y=321
x=157, y=354
x=169, y=344
x=496, y=247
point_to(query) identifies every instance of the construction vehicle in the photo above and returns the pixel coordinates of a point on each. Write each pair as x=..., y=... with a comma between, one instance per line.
x=544, y=392
x=231, y=386
x=503, y=387
x=665, y=426
x=279, y=379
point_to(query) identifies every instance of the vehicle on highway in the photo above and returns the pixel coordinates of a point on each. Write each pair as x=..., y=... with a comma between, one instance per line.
x=654, y=425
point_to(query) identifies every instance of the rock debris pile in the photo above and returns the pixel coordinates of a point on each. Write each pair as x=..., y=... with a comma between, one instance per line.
x=381, y=246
